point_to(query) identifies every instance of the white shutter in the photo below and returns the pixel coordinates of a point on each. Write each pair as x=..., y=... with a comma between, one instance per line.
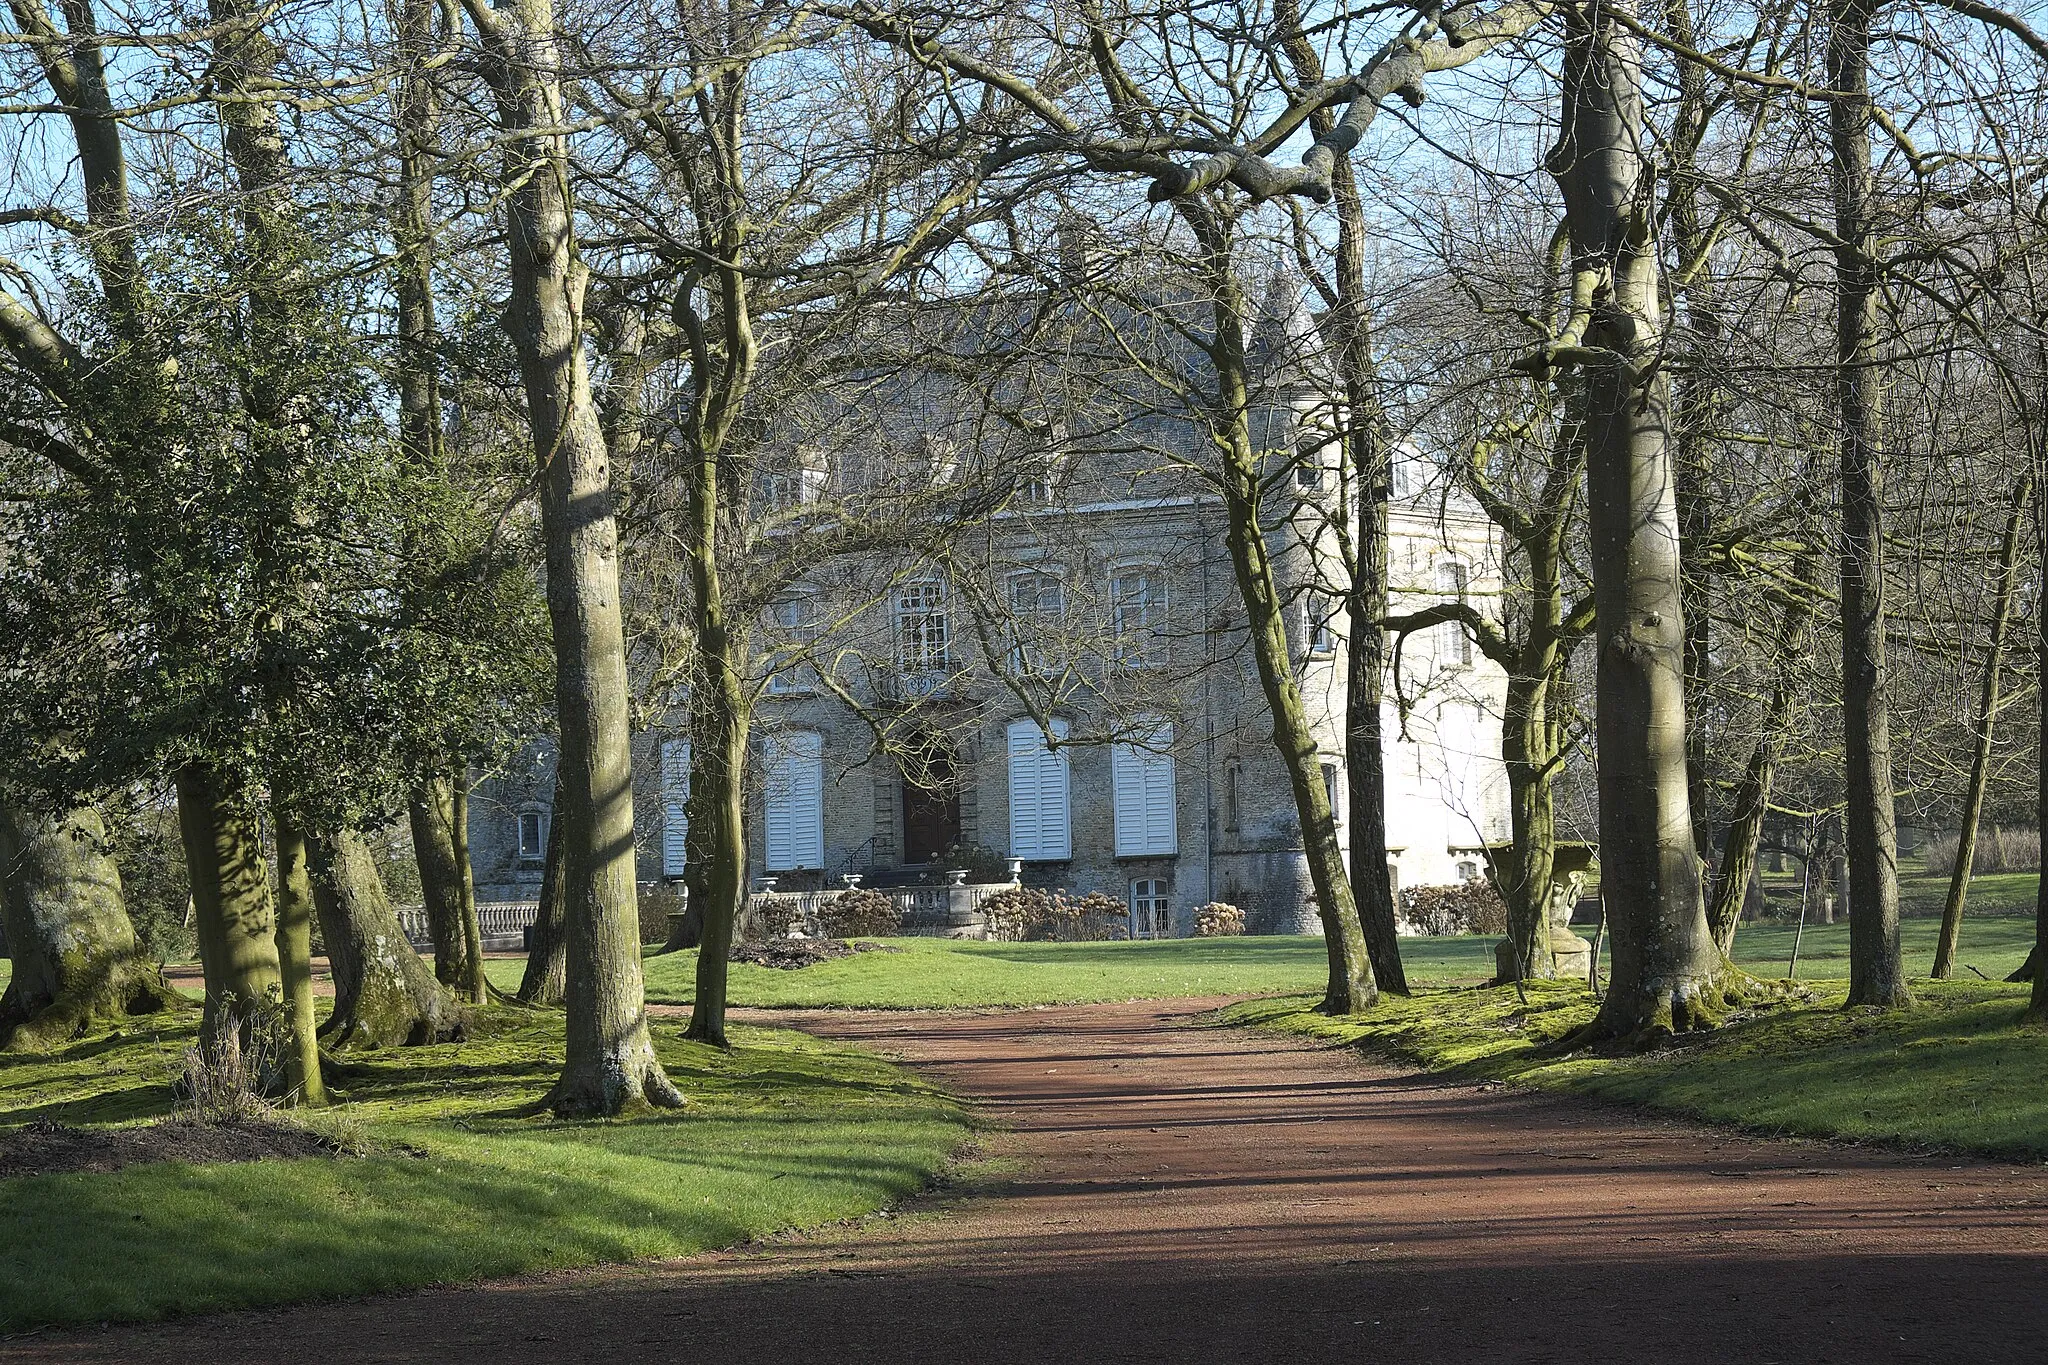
x=675, y=797
x=793, y=806
x=1039, y=824
x=1142, y=779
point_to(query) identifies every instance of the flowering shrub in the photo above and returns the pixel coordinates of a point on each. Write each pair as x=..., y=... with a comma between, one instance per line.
x=860, y=913
x=1014, y=912
x=1021, y=914
x=1218, y=920
x=1472, y=907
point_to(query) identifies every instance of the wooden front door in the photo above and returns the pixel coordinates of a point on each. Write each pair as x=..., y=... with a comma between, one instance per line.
x=931, y=814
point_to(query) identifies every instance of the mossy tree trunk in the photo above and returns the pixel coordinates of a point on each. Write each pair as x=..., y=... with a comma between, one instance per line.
x=1361, y=534
x=610, y=1064
x=76, y=966
x=1350, y=987
x=384, y=996
x=547, y=959
x=233, y=915
x=451, y=908
x=717, y=865
x=295, y=914
x=1666, y=975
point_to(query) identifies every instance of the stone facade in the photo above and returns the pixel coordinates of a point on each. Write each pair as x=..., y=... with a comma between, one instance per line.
x=1100, y=599
x=1233, y=833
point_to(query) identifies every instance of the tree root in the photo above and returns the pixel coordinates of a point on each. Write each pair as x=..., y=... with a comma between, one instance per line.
x=614, y=1087
x=125, y=990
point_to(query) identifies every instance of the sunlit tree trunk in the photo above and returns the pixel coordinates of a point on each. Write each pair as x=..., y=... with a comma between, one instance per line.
x=1753, y=794
x=295, y=914
x=384, y=996
x=1667, y=975
x=1350, y=987
x=233, y=916
x=610, y=1066
x=1361, y=531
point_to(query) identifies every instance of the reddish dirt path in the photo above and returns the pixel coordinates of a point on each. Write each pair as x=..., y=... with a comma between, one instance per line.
x=1181, y=1193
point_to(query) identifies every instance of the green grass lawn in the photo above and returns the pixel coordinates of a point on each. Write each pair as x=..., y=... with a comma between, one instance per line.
x=948, y=974
x=1994, y=946
x=1956, y=1071
x=784, y=1131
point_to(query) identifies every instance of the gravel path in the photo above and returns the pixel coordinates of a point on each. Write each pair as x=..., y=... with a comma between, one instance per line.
x=1174, y=1192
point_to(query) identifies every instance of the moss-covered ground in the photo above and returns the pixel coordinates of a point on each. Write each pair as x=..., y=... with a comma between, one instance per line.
x=1957, y=1071
x=783, y=1131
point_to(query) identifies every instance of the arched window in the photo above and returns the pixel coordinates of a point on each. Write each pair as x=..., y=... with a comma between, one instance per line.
x=1468, y=870
x=1151, y=908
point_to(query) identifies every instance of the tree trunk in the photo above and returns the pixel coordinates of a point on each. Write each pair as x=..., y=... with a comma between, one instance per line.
x=457, y=964
x=1876, y=972
x=75, y=962
x=384, y=996
x=1987, y=720
x=233, y=916
x=1666, y=976
x=610, y=1066
x=1368, y=481
x=295, y=961
x=1532, y=816
x=1351, y=987
x=717, y=853
x=2030, y=970
x=547, y=958
x=1753, y=797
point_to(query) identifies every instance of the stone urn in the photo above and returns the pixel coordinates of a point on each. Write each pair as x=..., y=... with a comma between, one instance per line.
x=1559, y=951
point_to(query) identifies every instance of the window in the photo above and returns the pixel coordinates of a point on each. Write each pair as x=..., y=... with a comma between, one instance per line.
x=1137, y=610
x=1043, y=469
x=533, y=835
x=1040, y=825
x=1452, y=580
x=1038, y=600
x=795, y=620
x=923, y=642
x=1317, y=611
x=1308, y=460
x=1332, y=790
x=1233, y=774
x=675, y=804
x=1141, y=782
x=793, y=804
x=1468, y=871
x=798, y=480
x=1151, y=909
